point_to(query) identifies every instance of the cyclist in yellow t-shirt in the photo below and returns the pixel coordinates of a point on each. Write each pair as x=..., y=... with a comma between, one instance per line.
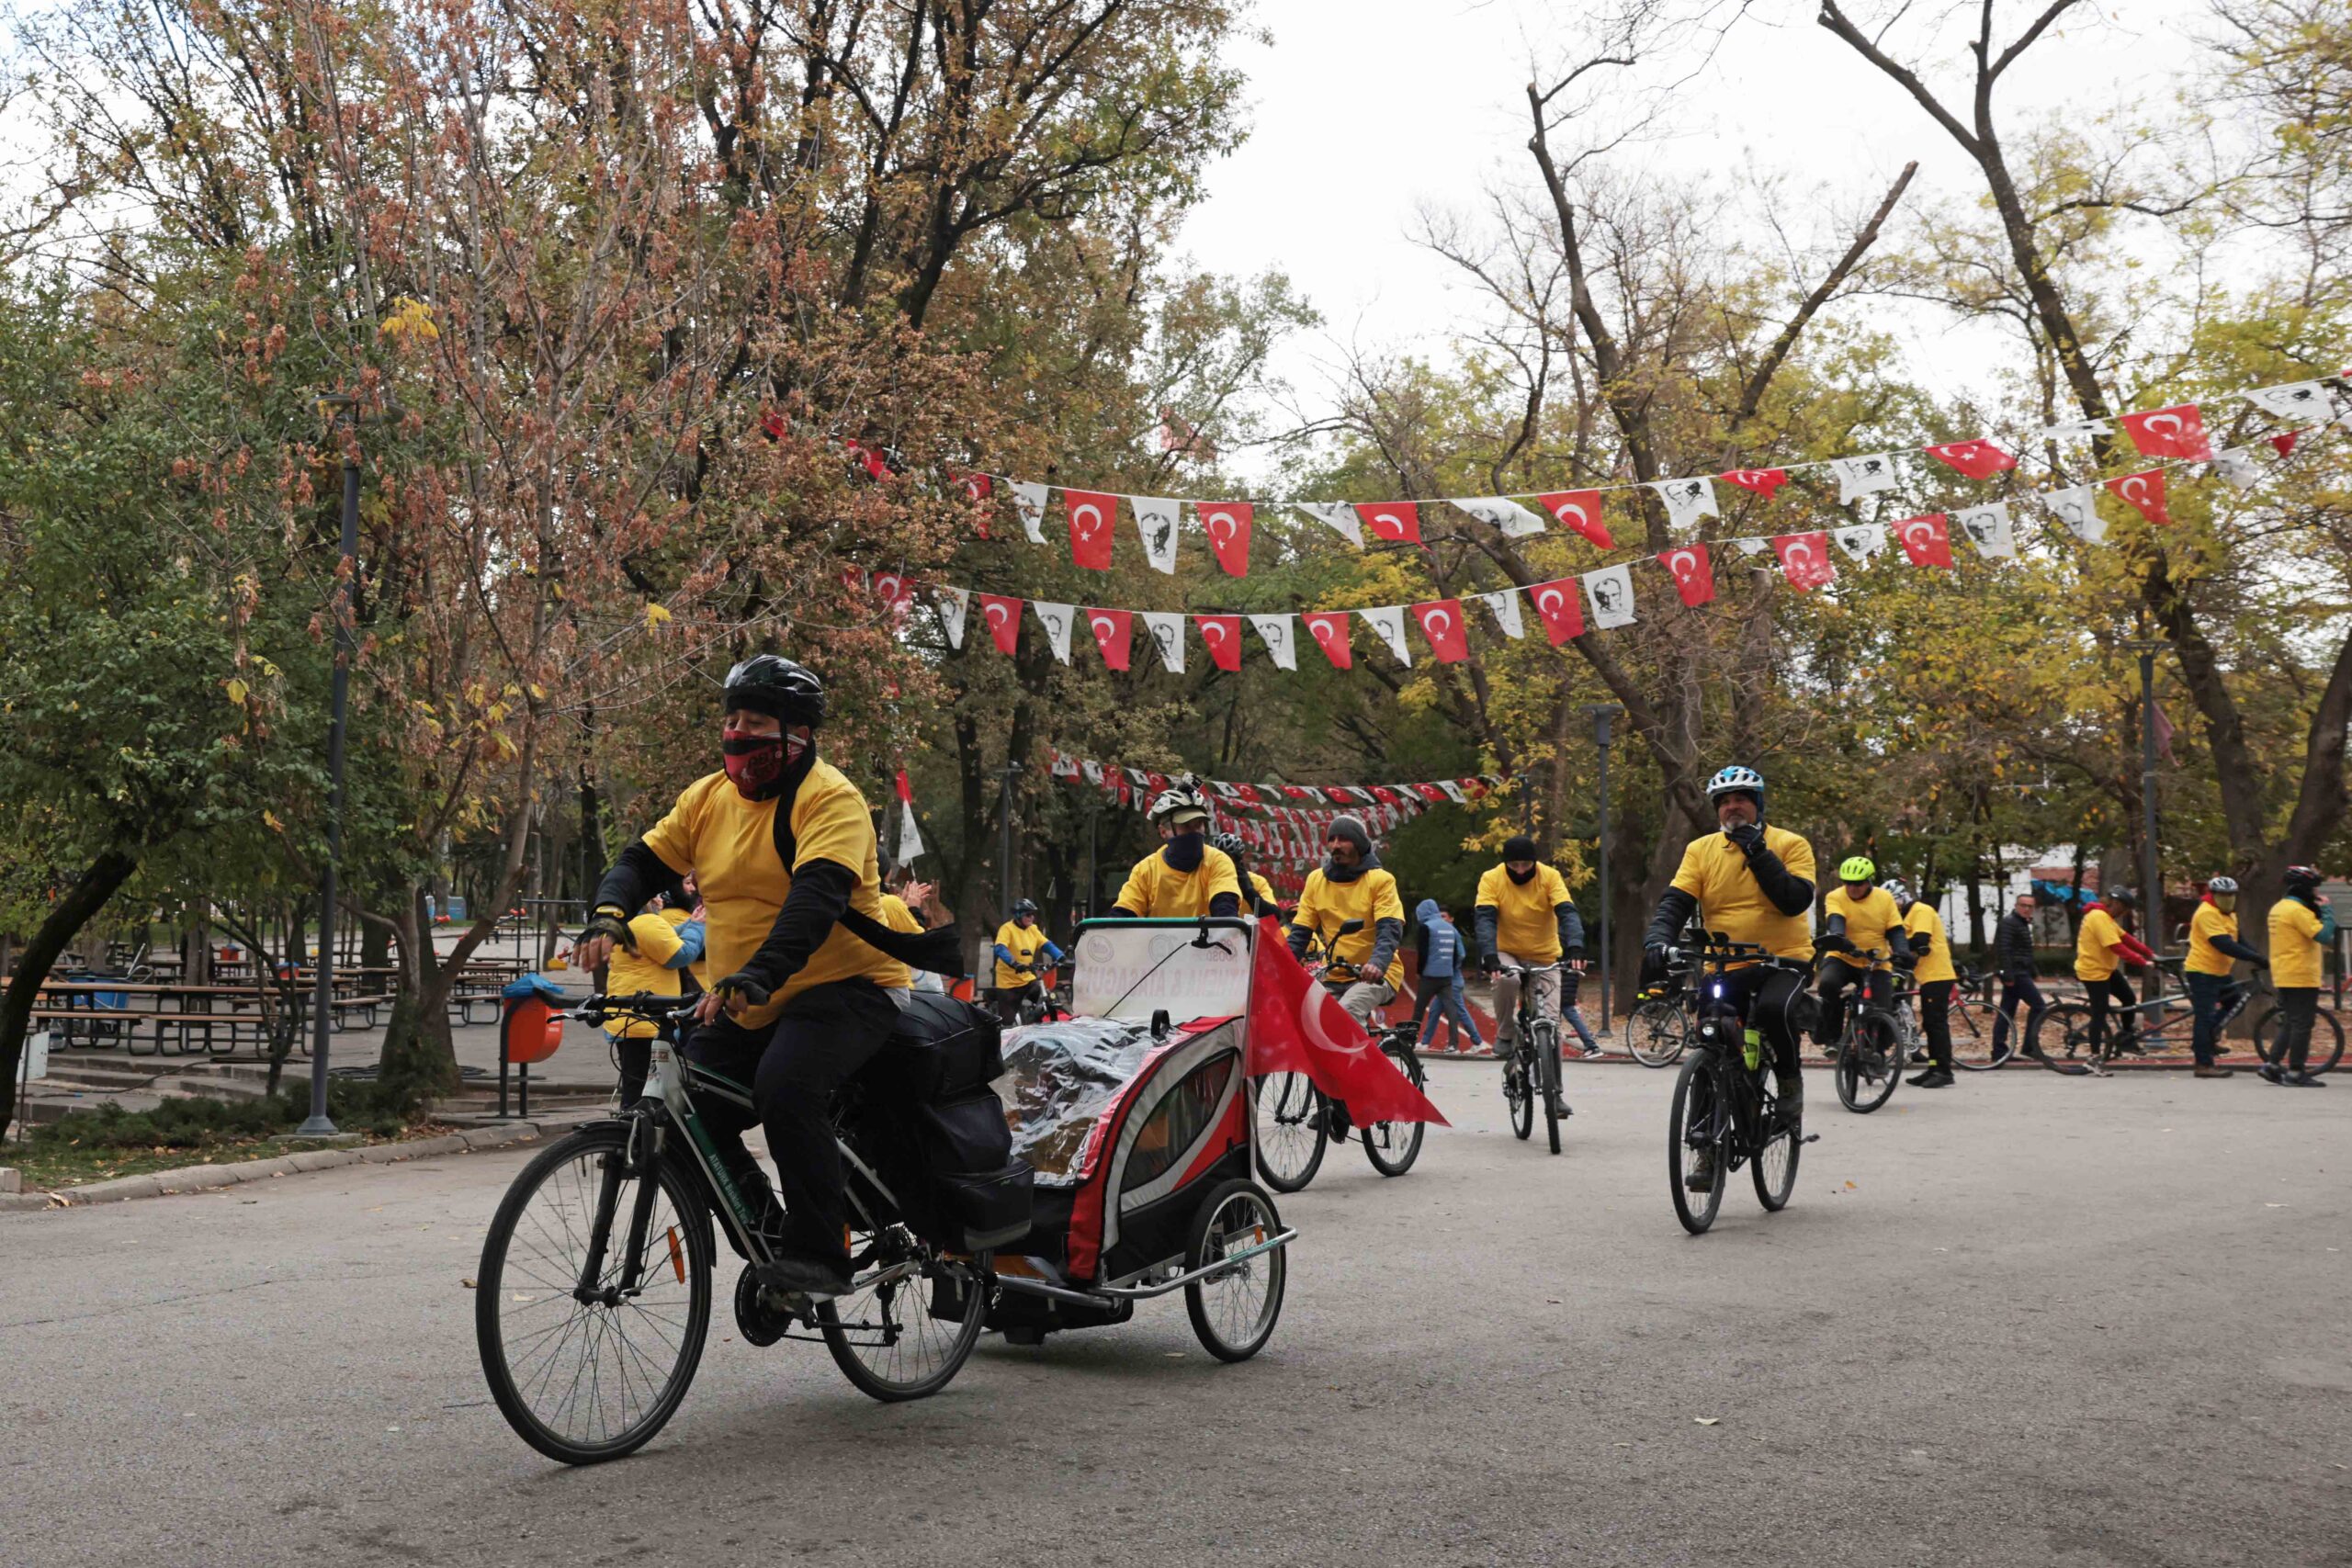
x=1932, y=951
x=1524, y=919
x=1751, y=883
x=1186, y=878
x=2301, y=922
x=781, y=846
x=1022, y=952
x=2213, y=951
x=2101, y=947
x=1860, y=920
x=1258, y=893
x=1351, y=884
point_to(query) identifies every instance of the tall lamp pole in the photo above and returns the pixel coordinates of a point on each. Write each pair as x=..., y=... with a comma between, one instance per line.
x=1603, y=713
x=319, y=1125
x=2151, y=890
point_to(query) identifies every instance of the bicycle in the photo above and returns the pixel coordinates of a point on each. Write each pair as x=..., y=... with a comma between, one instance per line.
x=2327, y=1046
x=2063, y=1035
x=1535, y=1064
x=1659, y=1029
x=909, y=1323
x=1296, y=1121
x=1725, y=1106
x=1873, y=1045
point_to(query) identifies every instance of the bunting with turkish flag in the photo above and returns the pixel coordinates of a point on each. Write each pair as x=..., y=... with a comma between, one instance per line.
x=893, y=589
x=1694, y=572
x=2177, y=432
x=1297, y=1026
x=1926, y=540
x=1113, y=632
x=1330, y=633
x=1561, y=604
x=1221, y=634
x=1804, y=559
x=1003, y=617
x=1092, y=514
x=1396, y=521
x=1579, y=512
x=1760, y=481
x=1441, y=624
x=1226, y=523
x=2145, y=492
x=1978, y=459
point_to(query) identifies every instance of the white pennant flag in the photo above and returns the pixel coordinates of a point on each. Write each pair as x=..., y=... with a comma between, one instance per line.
x=1029, y=500
x=910, y=836
x=2295, y=400
x=1858, y=477
x=2236, y=469
x=1501, y=511
x=1280, y=633
x=1092, y=772
x=1753, y=547
x=1988, y=529
x=1167, y=627
x=1156, y=522
x=2074, y=430
x=1687, y=501
x=1454, y=792
x=1860, y=542
x=952, y=605
x=2078, y=510
x=1055, y=619
x=1388, y=620
x=1505, y=606
x=1337, y=515
x=1610, y=592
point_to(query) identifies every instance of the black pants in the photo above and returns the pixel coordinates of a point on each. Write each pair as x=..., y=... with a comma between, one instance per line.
x=824, y=1035
x=1767, y=1000
x=2298, y=1013
x=2016, y=989
x=2103, y=993
x=1935, y=1020
x=1005, y=1001
x=1878, y=984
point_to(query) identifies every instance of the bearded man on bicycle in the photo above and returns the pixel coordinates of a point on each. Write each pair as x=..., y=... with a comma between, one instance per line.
x=782, y=848
x=1351, y=884
x=1752, y=882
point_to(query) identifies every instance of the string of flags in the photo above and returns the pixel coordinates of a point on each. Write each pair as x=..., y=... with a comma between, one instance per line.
x=2174, y=435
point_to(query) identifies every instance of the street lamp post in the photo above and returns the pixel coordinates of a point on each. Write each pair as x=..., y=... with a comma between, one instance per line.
x=2152, y=889
x=1603, y=713
x=319, y=1125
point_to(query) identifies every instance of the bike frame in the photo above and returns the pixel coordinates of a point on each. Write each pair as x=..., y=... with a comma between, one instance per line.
x=1740, y=1088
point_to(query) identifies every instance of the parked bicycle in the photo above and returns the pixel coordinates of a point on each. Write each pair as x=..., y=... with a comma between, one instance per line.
x=1296, y=1122
x=1727, y=1110
x=1532, y=1071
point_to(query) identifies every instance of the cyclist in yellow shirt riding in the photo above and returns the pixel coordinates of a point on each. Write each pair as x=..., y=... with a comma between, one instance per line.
x=2213, y=951
x=1258, y=893
x=1186, y=878
x=1752, y=882
x=1022, y=951
x=1858, y=919
x=1526, y=921
x=1932, y=950
x=781, y=845
x=1351, y=884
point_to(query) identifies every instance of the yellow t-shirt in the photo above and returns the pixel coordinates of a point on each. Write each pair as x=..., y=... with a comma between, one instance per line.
x=626, y=973
x=1023, y=944
x=1868, y=919
x=1525, y=925
x=2094, y=945
x=897, y=916
x=1265, y=889
x=1325, y=905
x=1922, y=920
x=1730, y=901
x=1158, y=891
x=2294, y=944
x=2208, y=922
x=729, y=843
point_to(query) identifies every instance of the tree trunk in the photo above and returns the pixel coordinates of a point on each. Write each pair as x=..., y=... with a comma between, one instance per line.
x=82, y=900
x=420, y=1059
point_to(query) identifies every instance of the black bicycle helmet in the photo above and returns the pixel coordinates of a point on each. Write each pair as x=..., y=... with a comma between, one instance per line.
x=1024, y=907
x=786, y=692
x=2304, y=876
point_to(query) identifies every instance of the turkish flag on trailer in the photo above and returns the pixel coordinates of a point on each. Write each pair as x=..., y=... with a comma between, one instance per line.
x=1297, y=1026
x=1331, y=635
x=1003, y=617
x=1226, y=523
x=1561, y=604
x=1223, y=636
x=1396, y=521
x=1441, y=624
x=1977, y=460
x=1926, y=540
x=2145, y=492
x=1805, y=558
x=2169, y=432
x=1579, y=512
x=1763, y=481
x=1694, y=573
x=1112, y=630
x=1092, y=514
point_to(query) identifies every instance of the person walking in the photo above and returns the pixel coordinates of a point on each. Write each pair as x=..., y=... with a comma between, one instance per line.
x=2213, y=951
x=2301, y=925
x=1441, y=949
x=2013, y=959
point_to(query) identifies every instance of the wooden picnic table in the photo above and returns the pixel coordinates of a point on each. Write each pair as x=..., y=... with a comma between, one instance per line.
x=187, y=1009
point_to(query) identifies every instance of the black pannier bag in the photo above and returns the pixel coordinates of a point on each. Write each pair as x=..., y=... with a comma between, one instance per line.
x=982, y=1194
x=941, y=1048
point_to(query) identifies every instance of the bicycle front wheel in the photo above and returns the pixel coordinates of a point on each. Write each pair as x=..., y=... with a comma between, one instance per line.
x=1393, y=1146
x=1291, y=1128
x=1696, y=1142
x=910, y=1317
x=1547, y=1078
x=1868, y=1064
x=2062, y=1038
x=1656, y=1031
x=2326, y=1047
x=589, y=1346
x=1518, y=1094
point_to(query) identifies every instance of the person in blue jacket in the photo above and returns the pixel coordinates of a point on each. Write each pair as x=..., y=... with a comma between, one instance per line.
x=1441, y=949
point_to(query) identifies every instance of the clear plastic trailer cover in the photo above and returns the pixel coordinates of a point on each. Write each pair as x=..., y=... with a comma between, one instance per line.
x=1059, y=1080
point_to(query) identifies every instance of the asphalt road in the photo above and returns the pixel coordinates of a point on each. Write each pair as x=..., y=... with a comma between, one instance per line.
x=2024, y=1321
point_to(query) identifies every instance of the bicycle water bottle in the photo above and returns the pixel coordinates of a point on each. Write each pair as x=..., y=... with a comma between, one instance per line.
x=1751, y=1048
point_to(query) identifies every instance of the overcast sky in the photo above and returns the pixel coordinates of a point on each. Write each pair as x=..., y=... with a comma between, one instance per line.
x=1364, y=110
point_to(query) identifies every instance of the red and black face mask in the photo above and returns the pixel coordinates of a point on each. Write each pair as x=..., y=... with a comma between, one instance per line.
x=759, y=763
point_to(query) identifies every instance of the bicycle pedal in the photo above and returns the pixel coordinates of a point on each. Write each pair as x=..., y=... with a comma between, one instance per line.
x=1810, y=1138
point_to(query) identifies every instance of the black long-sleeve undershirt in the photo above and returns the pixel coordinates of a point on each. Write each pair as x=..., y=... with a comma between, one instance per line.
x=635, y=878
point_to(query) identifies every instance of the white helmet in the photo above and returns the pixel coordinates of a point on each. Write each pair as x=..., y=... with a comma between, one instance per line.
x=1900, y=889
x=1736, y=780
x=2222, y=884
x=1184, y=795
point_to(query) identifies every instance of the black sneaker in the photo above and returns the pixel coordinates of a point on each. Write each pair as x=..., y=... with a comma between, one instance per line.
x=2305, y=1080
x=795, y=1274
x=1934, y=1077
x=2271, y=1072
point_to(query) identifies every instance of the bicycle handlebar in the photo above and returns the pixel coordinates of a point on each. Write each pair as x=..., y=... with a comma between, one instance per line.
x=649, y=1006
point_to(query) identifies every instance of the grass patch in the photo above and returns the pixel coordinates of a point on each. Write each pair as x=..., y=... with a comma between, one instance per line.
x=108, y=1141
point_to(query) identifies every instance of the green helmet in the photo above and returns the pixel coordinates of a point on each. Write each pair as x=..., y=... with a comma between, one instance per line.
x=1858, y=868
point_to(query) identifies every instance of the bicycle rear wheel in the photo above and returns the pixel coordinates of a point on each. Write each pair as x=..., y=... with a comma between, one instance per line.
x=1547, y=1041
x=1696, y=1127
x=1774, y=1168
x=2326, y=1047
x=1870, y=1064
x=910, y=1318
x=1393, y=1146
x=588, y=1380
x=1971, y=1036
x=1519, y=1093
x=1291, y=1128
x=1655, y=1032
x=2064, y=1038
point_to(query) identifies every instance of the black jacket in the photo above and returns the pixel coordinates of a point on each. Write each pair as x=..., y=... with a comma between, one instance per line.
x=2013, y=945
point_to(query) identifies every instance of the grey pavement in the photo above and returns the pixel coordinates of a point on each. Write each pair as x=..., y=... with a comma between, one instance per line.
x=2026, y=1320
